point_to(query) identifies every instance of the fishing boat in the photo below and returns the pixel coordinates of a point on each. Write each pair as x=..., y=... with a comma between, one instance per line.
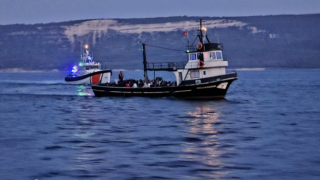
x=203, y=75
x=88, y=72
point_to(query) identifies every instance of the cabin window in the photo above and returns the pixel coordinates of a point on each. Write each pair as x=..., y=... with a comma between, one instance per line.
x=194, y=74
x=204, y=72
x=213, y=55
x=198, y=55
x=206, y=55
x=219, y=55
x=192, y=56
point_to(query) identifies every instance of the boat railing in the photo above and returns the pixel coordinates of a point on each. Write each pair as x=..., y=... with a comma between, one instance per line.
x=191, y=49
x=172, y=66
x=104, y=67
x=166, y=66
x=206, y=47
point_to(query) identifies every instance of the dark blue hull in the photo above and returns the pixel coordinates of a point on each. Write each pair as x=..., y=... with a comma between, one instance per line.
x=213, y=89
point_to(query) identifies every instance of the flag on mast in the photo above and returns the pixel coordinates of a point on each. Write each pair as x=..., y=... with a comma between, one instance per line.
x=185, y=33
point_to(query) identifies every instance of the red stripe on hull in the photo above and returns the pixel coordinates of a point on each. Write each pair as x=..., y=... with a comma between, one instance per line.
x=95, y=79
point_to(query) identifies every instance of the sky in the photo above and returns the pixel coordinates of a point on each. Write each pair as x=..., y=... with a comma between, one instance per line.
x=46, y=11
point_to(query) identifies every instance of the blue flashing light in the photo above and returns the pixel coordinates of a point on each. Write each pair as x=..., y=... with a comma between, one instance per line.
x=90, y=59
x=74, y=69
x=80, y=64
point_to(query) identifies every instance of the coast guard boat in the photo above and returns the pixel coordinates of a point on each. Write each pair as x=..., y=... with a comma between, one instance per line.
x=203, y=75
x=90, y=72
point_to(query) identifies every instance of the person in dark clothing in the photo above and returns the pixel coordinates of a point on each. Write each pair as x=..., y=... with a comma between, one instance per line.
x=120, y=76
x=201, y=62
x=201, y=57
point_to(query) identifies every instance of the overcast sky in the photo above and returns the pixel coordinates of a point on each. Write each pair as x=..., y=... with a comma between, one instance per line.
x=45, y=11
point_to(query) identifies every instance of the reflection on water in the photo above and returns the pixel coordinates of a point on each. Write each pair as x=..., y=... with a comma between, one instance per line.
x=84, y=90
x=204, y=146
x=263, y=130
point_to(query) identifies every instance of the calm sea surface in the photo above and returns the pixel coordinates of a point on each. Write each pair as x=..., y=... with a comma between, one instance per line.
x=267, y=127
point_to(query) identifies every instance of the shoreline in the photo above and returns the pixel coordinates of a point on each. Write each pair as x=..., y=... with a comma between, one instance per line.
x=21, y=70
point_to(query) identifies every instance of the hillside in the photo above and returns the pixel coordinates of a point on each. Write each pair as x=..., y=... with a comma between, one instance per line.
x=286, y=41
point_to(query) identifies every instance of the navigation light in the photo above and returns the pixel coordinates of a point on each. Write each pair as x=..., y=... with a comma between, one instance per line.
x=203, y=29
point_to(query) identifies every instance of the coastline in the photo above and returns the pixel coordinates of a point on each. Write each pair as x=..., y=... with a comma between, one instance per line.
x=21, y=70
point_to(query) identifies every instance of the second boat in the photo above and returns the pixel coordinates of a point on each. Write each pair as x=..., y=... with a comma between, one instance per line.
x=88, y=72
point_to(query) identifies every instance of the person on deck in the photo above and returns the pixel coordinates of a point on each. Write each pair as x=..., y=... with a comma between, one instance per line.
x=201, y=57
x=120, y=76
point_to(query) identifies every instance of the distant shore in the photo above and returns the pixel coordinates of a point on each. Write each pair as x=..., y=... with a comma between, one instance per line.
x=249, y=69
x=20, y=70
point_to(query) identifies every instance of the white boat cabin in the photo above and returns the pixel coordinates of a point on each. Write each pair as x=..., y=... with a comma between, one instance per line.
x=213, y=65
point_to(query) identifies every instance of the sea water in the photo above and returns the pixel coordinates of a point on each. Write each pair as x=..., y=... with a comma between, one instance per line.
x=267, y=127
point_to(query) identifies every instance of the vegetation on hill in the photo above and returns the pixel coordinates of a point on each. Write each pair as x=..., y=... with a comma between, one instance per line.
x=284, y=41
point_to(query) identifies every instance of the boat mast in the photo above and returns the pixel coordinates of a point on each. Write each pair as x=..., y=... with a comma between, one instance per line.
x=201, y=36
x=145, y=63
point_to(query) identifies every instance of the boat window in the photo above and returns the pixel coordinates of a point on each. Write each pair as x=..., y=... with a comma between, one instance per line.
x=198, y=55
x=204, y=72
x=219, y=55
x=194, y=74
x=192, y=56
x=213, y=55
x=206, y=56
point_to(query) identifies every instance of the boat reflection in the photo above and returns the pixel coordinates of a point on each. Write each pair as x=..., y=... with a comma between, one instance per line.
x=205, y=117
x=206, y=149
x=83, y=90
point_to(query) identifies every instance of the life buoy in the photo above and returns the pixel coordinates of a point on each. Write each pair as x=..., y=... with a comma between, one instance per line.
x=201, y=64
x=199, y=45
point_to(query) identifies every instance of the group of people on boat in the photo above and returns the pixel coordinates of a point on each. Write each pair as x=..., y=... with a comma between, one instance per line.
x=157, y=82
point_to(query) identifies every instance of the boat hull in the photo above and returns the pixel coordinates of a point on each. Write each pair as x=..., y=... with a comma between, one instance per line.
x=98, y=77
x=216, y=89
